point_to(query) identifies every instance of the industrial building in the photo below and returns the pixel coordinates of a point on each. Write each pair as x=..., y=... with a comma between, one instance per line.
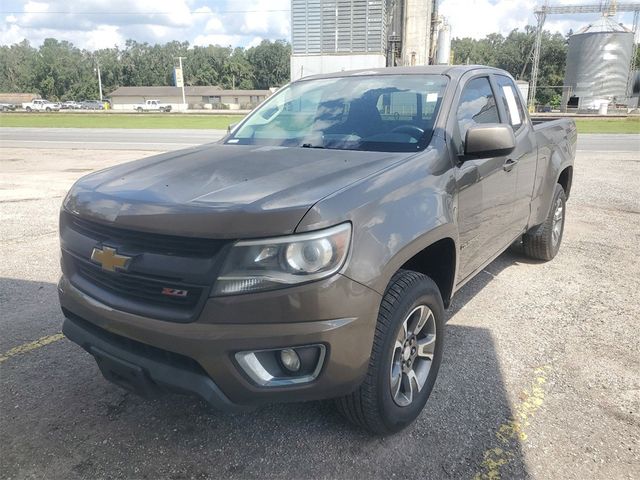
x=598, y=65
x=334, y=35
x=203, y=97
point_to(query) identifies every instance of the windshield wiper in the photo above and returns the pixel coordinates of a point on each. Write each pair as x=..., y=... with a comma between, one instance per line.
x=310, y=145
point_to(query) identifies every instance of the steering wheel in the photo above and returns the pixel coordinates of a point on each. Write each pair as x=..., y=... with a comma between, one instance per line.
x=411, y=130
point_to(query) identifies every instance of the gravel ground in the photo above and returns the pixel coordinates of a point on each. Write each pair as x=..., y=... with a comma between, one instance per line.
x=539, y=380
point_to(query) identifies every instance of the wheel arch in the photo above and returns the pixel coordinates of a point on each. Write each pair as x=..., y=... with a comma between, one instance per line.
x=565, y=179
x=437, y=261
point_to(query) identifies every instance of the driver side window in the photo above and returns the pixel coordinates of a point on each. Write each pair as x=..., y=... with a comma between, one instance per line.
x=477, y=106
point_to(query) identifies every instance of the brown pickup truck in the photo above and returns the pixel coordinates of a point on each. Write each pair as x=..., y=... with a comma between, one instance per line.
x=311, y=253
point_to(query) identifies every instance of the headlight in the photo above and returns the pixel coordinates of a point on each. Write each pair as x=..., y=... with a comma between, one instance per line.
x=256, y=265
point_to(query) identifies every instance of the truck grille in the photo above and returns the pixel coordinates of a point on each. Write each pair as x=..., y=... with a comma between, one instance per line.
x=168, y=277
x=148, y=242
x=139, y=288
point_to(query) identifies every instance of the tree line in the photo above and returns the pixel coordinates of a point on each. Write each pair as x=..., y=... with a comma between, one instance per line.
x=57, y=70
x=514, y=53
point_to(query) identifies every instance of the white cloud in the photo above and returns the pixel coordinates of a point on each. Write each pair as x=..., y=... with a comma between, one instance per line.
x=94, y=23
x=214, y=25
x=105, y=36
x=221, y=39
x=478, y=18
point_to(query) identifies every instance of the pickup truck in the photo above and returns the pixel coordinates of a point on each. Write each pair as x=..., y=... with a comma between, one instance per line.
x=153, y=106
x=312, y=252
x=40, y=105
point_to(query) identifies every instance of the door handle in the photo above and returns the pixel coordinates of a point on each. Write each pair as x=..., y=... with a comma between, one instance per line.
x=509, y=164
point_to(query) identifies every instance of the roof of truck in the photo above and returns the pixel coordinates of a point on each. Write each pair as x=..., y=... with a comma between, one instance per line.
x=450, y=70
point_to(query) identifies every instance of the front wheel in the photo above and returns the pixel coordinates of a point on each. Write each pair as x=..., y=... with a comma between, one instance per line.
x=543, y=241
x=405, y=358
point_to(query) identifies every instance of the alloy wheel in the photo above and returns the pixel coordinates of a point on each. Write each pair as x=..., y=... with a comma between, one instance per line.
x=412, y=355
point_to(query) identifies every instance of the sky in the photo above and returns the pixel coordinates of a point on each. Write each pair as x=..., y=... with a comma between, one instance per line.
x=95, y=24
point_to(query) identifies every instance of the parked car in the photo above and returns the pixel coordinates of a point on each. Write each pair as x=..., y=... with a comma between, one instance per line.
x=311, y=253
x=7, y=107
x=153, y=106
x=71, y=105
x=41, y=105
x=92, y=105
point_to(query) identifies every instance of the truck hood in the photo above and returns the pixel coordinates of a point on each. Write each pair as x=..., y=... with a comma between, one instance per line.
x=221, y=191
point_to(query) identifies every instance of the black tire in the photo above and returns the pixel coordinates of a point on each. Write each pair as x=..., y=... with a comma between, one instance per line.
x=139, y=109
x=372, y=405
x=28, y=109
x=539, y=243
x=48, y=109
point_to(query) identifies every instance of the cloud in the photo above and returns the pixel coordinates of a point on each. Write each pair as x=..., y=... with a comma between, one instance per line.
x=478, y=18
x=94, y=24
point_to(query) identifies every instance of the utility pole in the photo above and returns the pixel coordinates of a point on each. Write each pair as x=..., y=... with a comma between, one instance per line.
x=97, y=69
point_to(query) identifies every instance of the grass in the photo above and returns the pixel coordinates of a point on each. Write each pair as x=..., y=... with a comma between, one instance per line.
x=173, y=120
x=114, y=120
x=611, y=125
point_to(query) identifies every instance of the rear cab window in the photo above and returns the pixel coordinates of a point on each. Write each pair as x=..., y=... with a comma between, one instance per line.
x=510, y=96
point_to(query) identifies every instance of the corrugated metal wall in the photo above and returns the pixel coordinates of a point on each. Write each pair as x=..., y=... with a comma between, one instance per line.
x=321, y=27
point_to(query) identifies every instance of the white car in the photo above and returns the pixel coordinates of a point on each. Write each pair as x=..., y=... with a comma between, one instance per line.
x=41, y=105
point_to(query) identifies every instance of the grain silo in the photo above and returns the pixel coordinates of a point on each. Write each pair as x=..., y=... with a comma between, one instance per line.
x=598, y=64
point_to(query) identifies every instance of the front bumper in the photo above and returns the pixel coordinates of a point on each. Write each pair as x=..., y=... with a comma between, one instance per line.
x=145, y=354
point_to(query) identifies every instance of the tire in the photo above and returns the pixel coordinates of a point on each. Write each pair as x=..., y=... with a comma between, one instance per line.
x=48, y=109
x=28, y=109
x=543, y=242
x=139, y=109
x=373, y=406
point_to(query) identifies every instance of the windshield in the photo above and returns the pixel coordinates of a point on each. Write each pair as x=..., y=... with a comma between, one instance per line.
x=389, y=113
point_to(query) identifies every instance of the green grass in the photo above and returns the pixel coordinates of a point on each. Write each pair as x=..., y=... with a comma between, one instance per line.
x=176, y=120
x=612, y=125
x=114, y=120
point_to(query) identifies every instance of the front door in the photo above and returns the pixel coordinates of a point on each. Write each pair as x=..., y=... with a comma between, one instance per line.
x=486, y=189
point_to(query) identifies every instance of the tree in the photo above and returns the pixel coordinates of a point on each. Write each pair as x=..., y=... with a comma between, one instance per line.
x=60, y=71
x=270, y=61
x=514, y=54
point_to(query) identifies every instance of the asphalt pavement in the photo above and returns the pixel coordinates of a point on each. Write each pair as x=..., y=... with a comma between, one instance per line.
x=106, y=138
x=539, y=378
x=163, y=140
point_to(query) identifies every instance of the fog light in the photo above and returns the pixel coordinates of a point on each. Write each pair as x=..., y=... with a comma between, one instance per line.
x=290, y=359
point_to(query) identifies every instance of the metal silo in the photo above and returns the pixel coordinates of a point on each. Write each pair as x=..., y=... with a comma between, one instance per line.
x=598, y=62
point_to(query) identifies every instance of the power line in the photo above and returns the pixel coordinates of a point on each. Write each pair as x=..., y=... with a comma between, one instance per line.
x=195, y=12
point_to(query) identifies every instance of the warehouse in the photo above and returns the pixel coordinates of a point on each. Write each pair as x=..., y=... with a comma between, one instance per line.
x=201, y=97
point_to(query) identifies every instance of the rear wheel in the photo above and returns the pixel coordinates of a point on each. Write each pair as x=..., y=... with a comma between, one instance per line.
x=139, y=109
x=543, y=241
x=405, y=358
x=28, y=109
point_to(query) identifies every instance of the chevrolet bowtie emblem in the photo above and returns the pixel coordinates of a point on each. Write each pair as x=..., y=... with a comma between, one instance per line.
x=109, y=259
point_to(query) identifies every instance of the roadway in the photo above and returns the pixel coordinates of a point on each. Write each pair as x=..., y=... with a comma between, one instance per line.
x=106, y=138
x=163, y=140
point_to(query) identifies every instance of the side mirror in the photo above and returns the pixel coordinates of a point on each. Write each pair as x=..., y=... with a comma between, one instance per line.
x=489, y=140
x=232, y=127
